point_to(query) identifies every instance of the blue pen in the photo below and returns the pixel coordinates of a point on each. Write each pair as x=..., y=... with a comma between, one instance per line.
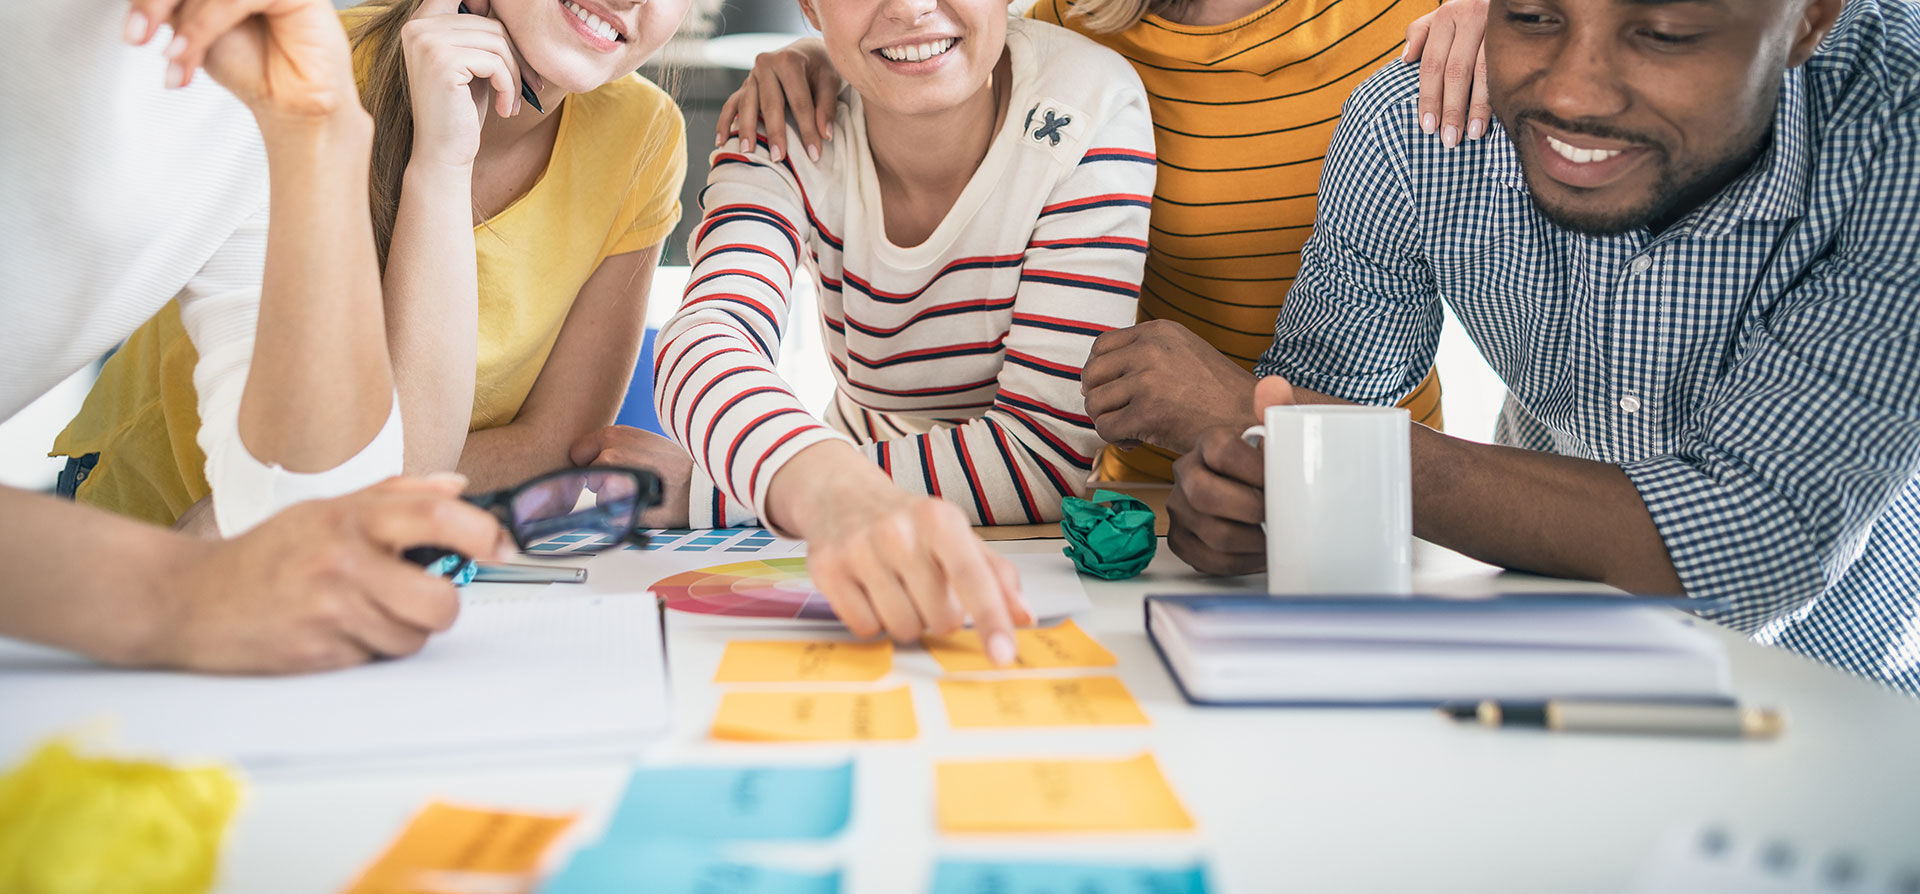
x=526, y=92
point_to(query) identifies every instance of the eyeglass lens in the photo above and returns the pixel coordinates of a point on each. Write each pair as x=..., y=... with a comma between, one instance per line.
x=585, y=502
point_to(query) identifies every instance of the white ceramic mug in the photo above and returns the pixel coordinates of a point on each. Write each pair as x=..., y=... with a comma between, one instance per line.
x=1339, y=499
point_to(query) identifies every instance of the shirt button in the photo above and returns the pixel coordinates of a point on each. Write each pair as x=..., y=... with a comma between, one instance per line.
x=1640, y=265
x=1629, y=404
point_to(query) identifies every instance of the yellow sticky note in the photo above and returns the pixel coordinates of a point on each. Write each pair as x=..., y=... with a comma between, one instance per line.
x=790, y=661
x=816, y=716
x=453, y=849
x=1005, y=797
x=1055, y=701
x=1064, y=645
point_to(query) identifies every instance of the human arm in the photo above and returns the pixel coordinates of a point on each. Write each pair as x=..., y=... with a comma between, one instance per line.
x=1520, y=509
x=1453, y=70
x=317, y=339
x=319, y=586
x=580, y=387
x=458, y=67
x=1158, y=383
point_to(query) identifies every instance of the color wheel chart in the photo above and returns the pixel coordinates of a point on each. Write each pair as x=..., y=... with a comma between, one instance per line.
x=766, y=588
x=712, y=540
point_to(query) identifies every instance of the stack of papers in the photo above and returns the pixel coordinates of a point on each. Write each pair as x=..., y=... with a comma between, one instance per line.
x=1427, y=650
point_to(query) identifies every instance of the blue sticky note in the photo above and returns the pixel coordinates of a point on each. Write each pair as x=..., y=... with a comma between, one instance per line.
x=1066, y=878
x=678, y=869
x=733, y=802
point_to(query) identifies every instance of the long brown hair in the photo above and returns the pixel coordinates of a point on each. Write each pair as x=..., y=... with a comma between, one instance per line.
x=384, y=92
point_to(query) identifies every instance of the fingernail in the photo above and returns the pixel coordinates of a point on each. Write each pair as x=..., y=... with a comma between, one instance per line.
x=1000, y=649
x=136, y=27
x=775, y=151
x=1426, y=123
x=1451, y=137
x=176, y=47
x=813, y=152
x=1476, y=129
x=176, y=75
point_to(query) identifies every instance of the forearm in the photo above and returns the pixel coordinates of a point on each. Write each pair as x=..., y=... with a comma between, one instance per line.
x=62, y=594
x=821, y=482
x=320, y=343
x=497, y=458
x=1537, y=512
x=432, y=313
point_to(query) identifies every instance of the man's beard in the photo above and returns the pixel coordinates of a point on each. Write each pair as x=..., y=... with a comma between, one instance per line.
x=1676, y=191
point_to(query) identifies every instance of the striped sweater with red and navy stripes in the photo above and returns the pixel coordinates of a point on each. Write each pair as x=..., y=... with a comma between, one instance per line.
x=957, y=361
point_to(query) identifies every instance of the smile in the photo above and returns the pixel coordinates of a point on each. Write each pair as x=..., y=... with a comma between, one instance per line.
x=919, y=52
x=595, y=25
x=1578, y=155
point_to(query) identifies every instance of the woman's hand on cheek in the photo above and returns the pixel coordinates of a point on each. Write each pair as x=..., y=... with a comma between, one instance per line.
x=623, y=445
x=457, y=65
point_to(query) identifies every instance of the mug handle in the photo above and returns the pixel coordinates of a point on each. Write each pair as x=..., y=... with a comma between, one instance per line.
x=1254, y=435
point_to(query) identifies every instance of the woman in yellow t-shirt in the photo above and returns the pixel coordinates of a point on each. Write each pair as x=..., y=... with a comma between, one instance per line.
x=501, y=362
x=1244, y=95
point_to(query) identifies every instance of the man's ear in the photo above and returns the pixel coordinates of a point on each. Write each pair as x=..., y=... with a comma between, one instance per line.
x=1815, y=19
x=813, y=15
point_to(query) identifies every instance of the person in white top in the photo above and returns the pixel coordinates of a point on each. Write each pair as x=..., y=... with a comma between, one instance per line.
x=980, y=220
x=123, y=191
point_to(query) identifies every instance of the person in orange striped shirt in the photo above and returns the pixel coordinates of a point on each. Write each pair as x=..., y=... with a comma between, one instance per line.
x=1244, y=95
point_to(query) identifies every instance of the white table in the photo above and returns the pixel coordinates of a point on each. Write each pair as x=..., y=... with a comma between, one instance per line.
x=1307, y=800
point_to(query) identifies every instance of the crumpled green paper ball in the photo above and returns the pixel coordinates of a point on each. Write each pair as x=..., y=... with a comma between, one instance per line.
x=1110, y=536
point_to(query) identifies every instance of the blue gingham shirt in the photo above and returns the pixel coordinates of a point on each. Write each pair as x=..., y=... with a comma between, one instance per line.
x=1767, y=411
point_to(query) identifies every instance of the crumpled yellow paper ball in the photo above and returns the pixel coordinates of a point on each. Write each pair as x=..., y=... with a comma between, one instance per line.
x=83, y=825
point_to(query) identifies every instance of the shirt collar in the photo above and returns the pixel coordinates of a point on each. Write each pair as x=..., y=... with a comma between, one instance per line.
x=1775, y=188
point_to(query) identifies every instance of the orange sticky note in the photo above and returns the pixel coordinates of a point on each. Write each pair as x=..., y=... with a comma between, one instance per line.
x=791, y=661
x=1040, y=701
x=816, y=716
x=448, y=850
x=1064, y=645
x=1008, y=797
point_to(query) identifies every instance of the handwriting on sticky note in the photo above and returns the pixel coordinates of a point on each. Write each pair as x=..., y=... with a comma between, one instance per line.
x=1064, y=645
x=448, y=848
x=1040, y=701
x=1000, y=797
x=733, y=803
x=816, y=716
x=954, y=877
x=789, y=661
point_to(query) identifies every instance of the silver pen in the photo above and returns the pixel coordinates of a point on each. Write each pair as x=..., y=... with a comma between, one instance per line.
x=1718, y=719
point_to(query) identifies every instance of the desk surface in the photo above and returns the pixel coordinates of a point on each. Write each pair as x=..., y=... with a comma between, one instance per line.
x=1306, y=799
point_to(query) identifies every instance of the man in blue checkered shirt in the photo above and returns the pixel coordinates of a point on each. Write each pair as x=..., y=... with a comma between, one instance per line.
x=1692, y=252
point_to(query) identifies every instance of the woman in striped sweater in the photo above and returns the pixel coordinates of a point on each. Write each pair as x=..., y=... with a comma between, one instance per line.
x=981, y=219
x=1244, y=95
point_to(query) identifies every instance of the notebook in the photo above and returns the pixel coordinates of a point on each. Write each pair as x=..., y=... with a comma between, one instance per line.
x=1425, y=650
x=553, y=671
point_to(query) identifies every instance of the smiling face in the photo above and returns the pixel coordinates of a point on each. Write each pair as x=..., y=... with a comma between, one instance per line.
x=1630, y=113
x=579, y=45
x=912, y=57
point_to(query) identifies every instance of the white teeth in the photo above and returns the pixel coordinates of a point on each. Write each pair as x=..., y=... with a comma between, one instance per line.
x=917, y=52
x=595, y=24
x=1578, y=155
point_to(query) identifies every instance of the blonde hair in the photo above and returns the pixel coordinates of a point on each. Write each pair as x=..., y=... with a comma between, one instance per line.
x=1112, y=16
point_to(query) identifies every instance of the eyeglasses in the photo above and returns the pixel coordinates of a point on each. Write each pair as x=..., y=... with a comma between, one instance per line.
x=603, y=502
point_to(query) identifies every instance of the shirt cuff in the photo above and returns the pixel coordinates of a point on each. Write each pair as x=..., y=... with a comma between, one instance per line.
x=247, y=491
x=709, y=507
